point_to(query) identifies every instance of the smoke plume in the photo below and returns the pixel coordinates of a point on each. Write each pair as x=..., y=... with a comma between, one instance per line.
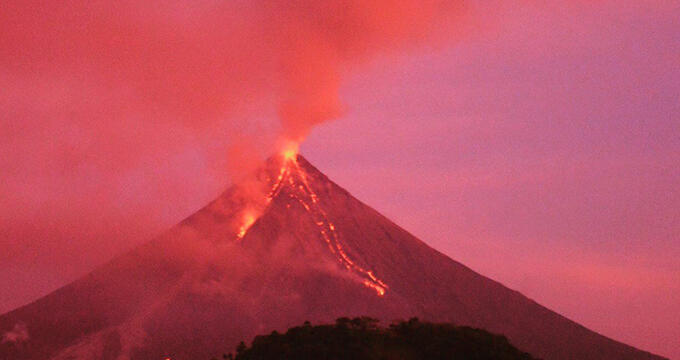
x=117, y=118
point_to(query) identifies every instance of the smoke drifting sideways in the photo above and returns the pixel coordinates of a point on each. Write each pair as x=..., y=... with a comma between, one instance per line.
x=118, y=117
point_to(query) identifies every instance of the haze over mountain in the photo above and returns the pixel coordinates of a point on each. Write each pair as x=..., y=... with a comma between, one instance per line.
x=282, y=246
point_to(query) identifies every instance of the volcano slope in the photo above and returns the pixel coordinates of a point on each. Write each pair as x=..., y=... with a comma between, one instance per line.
x=283, y=246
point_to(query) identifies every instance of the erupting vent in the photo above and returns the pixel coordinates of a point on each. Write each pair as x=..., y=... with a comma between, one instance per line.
x=293, y=175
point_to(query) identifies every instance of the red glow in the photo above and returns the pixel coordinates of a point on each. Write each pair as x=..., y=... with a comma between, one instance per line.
x=327, y=229
x=248, y=220
x=112, y=110
x=295, y=177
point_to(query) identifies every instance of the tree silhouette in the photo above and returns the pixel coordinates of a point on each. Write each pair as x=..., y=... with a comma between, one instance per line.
x=362, y=338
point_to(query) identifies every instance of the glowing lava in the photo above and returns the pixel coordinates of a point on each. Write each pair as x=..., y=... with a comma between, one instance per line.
x=300, y=190
x=290, y=151
x=289, y=154
x=248, y=221
x=310, y=201
x=327, y=229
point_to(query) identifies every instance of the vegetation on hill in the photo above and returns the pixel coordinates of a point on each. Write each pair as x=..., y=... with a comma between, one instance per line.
x=362, y=339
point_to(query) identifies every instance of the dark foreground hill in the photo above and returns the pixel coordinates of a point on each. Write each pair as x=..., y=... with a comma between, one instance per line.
x=284, y=246
x=362, y=339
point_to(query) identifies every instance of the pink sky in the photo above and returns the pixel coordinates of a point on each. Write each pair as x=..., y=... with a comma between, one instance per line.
x=544, y=155
x=541, y=150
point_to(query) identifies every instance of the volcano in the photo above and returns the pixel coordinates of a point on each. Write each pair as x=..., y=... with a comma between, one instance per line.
x=283, y=246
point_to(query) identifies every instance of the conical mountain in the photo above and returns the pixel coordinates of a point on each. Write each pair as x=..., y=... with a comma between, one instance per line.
x=284, y=246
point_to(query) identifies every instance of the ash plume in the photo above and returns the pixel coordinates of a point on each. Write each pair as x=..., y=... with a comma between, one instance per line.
x=111, y=110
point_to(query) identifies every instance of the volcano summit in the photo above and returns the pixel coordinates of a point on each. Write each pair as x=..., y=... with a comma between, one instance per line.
x=283, y=246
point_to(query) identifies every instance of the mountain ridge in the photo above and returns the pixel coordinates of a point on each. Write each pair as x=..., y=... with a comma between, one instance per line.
x=284, y=246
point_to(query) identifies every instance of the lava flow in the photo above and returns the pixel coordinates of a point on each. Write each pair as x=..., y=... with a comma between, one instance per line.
x=248, y=220
x=301, y=191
